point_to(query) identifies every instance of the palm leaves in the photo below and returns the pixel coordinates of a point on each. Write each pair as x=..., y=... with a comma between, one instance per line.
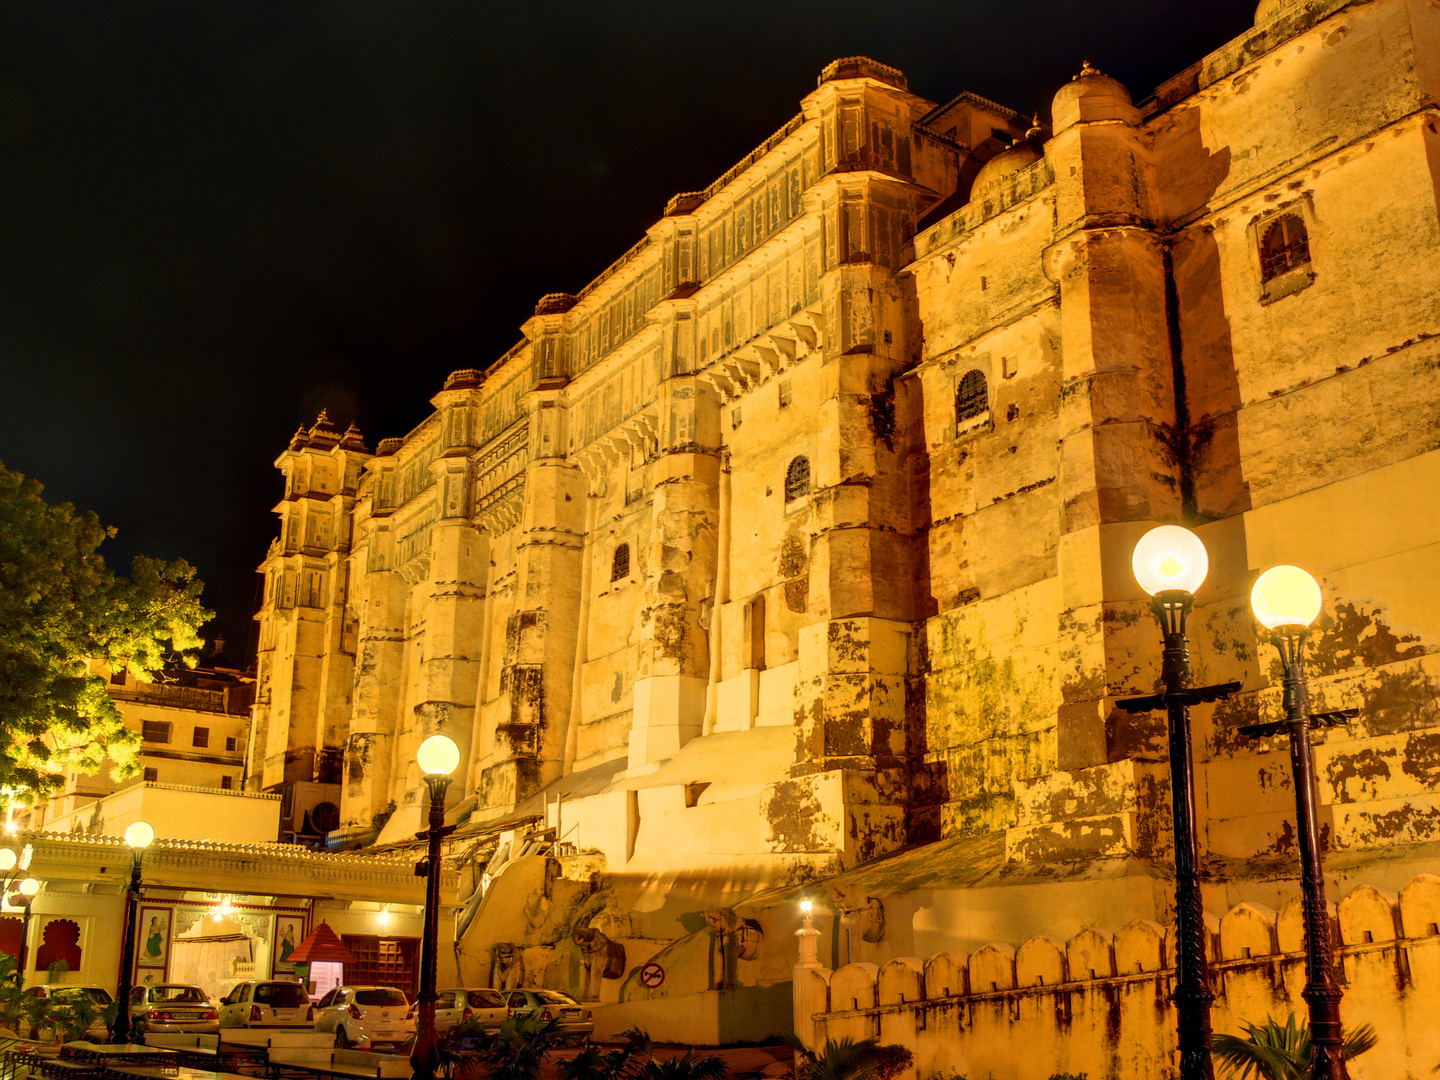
x=842, y=1060
x=1272, y=1052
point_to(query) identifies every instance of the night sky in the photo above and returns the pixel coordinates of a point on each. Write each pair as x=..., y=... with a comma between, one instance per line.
x=216, y=218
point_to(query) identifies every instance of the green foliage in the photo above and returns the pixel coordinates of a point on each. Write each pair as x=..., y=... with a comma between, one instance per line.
x=1269, y=1051
x=624, y=1062
x=60, y=605
x=515, y=1051
x=842, y=1060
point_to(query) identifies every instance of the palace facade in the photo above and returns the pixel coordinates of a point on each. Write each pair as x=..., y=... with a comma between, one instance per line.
x=795, y=547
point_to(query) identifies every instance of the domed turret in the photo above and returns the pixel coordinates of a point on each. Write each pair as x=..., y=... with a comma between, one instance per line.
x=1091, y=96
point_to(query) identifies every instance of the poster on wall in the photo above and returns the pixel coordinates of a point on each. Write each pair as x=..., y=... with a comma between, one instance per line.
x=289, y=931
x=153, y=948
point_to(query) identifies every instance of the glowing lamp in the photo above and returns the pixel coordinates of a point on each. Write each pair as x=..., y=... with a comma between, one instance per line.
x=438, y=756
x=806, y=907
x=383, y=915
x=1170, y=559
x=29, y=887
x=1285, y=596
x=140, y=835
x=8, y=859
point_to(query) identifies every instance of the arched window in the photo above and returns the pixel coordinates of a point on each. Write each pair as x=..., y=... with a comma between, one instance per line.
x=797, y=479
x=1284, y=245
x=972, y=397
x=620, y=563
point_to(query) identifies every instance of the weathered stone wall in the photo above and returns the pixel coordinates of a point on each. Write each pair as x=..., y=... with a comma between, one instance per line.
x=1099, y=1003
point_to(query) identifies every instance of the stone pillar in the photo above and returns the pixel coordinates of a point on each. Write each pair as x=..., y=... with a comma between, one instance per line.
x=540, y=637
x=1119, y=473
x=674, y=663
x=808, y=984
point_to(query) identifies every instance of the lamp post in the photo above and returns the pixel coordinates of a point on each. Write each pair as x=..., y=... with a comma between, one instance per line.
x=1170, y=563
x=27, y=889
x=1286, y=600
x=437, y=757
x=139, y=836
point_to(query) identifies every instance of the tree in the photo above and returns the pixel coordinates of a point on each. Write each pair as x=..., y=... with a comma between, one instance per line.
x=61, y=605
x=1273, y=1052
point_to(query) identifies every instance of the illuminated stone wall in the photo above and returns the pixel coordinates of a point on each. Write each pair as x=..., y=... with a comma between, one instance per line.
x=801, y=536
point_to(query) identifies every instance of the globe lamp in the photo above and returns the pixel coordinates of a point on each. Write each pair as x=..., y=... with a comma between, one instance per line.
x=1170, y=559
x=8, y=860
x=438, y=756
x=140, y=835
x=1285, y=596
x=29, y=887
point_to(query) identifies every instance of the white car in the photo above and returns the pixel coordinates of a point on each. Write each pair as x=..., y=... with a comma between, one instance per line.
x=480, y=1003
x=264, y=1004
x=365, y=1015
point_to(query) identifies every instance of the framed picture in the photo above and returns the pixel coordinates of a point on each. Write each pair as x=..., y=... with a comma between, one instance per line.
x=289, y=932
x=149, y=976
x=153, y=945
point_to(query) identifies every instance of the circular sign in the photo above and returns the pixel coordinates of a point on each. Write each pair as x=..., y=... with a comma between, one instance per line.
x=652, y=975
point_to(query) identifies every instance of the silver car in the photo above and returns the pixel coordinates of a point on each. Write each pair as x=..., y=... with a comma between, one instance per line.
x=481, y=1004
x=266, y=1003
x=172, y=1007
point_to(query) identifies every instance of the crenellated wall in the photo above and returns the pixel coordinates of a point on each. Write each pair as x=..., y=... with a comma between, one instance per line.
x=1098, y=1004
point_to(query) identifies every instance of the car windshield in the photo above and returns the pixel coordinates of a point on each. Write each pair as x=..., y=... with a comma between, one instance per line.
x=380, y=995
x=282, y=995
x=486, y=999
x=178, y=995
x=94, y=993
x=551, y=997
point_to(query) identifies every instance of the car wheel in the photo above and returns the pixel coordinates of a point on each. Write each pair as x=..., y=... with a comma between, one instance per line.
x=342, y=1039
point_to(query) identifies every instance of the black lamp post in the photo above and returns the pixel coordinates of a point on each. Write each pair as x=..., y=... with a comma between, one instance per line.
x=24, y=895
x=1286, y=600
x=139, y=836
x=437, y=757
x=1170, y=563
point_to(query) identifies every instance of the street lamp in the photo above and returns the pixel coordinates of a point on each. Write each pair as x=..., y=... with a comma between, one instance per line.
x=27, y=890
x=139, y=836
x=1286, y=600
x=1170, y=563
x=437, y=757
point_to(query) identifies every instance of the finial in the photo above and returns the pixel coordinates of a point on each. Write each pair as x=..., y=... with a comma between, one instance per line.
x=1085, y=69
x=1035, y=129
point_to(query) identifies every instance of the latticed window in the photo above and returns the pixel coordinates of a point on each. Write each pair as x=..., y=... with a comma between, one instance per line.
x=620, y=563
x=155, y=731
x=1284, y=245
x=972, y=398
x=797, y=479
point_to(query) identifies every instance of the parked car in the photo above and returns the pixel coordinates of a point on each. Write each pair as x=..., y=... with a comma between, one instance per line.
x=266, y=1003
x=68, y=995
x=569, y=1015
x=481, y=1004
x=171, y=1007
x=365, y=1015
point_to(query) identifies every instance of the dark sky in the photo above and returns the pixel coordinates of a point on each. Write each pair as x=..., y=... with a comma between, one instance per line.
x=216, y=218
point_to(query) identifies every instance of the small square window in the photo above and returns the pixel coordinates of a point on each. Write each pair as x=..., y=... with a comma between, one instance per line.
x=156, y=731
x=117, y=678
x=231, y=743
x=152, y=775
x=202, y=737
x=227, y=782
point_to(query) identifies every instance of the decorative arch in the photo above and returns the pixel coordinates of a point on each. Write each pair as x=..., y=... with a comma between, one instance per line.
x=620, y=563
x=61, y=942
x=797, y=478
x=972, y=396
x=1284, y=245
